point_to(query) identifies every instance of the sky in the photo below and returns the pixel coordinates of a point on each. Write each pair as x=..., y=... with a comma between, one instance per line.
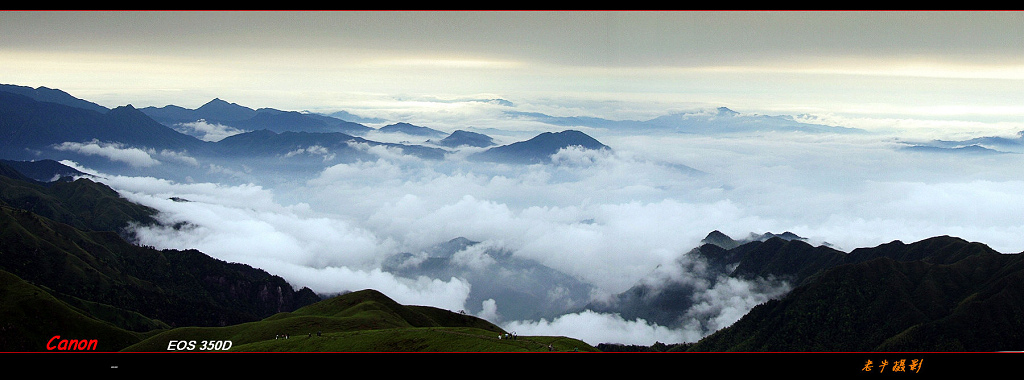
x=609, y=218
x=889, y=65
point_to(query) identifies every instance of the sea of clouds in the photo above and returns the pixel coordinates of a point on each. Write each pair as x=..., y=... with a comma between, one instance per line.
x=608, y=218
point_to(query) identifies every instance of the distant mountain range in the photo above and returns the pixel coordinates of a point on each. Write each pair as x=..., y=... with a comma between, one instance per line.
x=68, y=264
x=33, y=128
x=221, y=112
x=44, y=94
x=977, y=146
x=30, y=126
x=718, y=121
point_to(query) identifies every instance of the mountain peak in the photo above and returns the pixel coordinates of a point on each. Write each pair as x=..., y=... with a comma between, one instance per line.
x=461, y=137
x=410, y=129
x=541, y=147
x=125, y=110
x=720, y=239
x=569, y=137
x=725, y=111
x=221, y=110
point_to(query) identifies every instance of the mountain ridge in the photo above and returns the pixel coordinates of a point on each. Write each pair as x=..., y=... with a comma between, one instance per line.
x=540, y=148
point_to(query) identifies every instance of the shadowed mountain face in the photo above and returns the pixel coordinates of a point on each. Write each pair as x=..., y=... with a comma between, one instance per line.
x=75, y=254
x=896, y=296
x=540, y=148
x=243, y=118
x=42, y=170
x=412, y=130
x=466, y=138
x=29, y=125
x=938, y=294
x=81, y=203
x=765, y=266
x=51, y=95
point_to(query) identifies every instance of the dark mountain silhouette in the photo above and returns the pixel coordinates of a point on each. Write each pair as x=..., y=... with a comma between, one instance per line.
x=31, y=129
x=29, y=126
x=769, y=261
x=42, y=170
x=725, y=241
x=539, y=148
x=720, y=239
x=282, y=121
x=938, y=294
x=466, y=138
x=412, y=130
x=221, y=112
x=44, y=94
x=85, y=264
x=215, y=111
x=81, y=203
x=336, y=124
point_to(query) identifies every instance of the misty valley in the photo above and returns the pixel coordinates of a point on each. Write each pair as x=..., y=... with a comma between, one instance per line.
x=706, y=230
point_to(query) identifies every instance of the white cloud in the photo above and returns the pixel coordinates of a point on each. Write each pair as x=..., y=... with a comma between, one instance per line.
x=727, y=301
x=114, y=151
x=207, y=131
x=181, y=157
x=474, y=257
x=315, y=150
x=609, y=218
x=489, y=310
x=594, y=328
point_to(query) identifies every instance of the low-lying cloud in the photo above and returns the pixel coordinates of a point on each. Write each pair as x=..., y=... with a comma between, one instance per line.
x=609, y=218
x=133, y=156
x=207, y=131
x=113, y=151
x=594, y=328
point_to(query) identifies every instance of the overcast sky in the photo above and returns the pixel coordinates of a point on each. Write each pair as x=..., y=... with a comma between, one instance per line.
x=941, y=73
x=925, y=64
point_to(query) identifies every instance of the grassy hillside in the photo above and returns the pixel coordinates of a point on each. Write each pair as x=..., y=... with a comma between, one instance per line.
x=62, y=238
x=31, y=317
x=363, y=321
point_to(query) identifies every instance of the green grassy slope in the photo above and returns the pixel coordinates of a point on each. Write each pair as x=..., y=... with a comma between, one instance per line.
x=31, y=317
x=363, y=321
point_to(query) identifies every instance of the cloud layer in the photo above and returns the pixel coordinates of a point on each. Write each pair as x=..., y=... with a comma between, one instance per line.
x=609, y=218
